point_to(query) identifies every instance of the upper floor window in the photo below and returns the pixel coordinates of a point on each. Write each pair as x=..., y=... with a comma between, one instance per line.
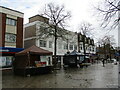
x=42, y=43
x=9, y=37
x=80, y=37
x=89, y=41
x=59, y=45
x=85, y=39
x=81, y=47
x=71, y=47
x=75, y=47
x=10, y=21
x=90, y=48
x=50, y=44
x=65, y=46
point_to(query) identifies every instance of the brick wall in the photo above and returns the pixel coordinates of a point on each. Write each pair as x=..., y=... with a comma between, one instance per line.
x=29, y=43
x=30, y=31
x=2, y=30
x=19, y=38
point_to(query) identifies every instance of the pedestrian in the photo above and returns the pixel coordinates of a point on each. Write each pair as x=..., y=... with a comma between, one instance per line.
x=103, y=61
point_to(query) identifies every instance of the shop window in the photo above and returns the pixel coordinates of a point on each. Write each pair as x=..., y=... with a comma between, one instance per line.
x=6, y=61
x=49, y=61
x=10, y=21
x=9, y=37
x=42, y=43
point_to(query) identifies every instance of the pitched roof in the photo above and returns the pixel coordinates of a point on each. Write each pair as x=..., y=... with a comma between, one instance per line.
x=34, y=50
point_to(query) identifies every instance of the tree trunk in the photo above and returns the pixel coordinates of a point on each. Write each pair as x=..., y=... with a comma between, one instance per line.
x=78, y=42
x=55, y=48
x=84, y=47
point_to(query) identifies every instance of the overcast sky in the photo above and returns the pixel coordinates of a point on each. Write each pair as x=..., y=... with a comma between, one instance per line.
x=81, y=10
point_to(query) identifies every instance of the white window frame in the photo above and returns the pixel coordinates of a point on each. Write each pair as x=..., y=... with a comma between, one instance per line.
x=43, y=43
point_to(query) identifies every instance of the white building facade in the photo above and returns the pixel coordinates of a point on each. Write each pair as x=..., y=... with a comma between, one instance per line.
x=32, y=32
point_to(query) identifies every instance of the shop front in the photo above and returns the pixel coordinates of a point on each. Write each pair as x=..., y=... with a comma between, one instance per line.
x=7, y=56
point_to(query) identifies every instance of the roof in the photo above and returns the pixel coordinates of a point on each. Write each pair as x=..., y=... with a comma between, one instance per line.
x=35, y=50
x=11, y=9
x=39, y=16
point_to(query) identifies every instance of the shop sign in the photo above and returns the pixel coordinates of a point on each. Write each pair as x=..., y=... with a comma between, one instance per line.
x=4, y=50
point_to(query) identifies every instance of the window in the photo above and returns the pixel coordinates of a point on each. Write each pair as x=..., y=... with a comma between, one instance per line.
x=9, y=37
x=10, y=21
x=71, y=47
x=50, y=44
x=93, y=49
x=86, y=47
x=81, y=47
x=60, y=45
x=42, y=43
x=6, y=61
x=75, y=47
x=65, y=46
x=89, y=41
x=90, y=48
x=85, y=39
x=80, y=37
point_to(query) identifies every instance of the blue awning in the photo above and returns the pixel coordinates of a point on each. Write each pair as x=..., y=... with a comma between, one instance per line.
x=10, y=50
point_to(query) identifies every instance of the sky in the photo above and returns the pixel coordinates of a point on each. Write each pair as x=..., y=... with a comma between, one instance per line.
x=81, y=10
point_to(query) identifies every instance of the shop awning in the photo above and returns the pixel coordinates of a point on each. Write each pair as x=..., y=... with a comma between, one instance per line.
x=9, y=50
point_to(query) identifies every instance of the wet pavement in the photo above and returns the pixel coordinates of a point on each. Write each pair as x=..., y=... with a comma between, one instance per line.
x=94, y=76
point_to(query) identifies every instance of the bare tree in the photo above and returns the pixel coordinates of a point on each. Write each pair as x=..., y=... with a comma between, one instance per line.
x=109, y=39
x=109, y=12
x=56, y=27
x=85, y=29
x=107, y=42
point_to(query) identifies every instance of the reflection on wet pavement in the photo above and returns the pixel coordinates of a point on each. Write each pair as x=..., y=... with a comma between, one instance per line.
x=94, y=76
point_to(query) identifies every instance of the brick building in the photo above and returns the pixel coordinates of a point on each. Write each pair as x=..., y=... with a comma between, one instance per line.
x=12, y=28
x=11, y=34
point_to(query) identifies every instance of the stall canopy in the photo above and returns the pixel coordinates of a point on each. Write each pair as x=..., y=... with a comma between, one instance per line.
x=75, y=53
x=34, y=50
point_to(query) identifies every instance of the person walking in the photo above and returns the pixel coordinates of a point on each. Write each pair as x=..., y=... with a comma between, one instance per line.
x=103, y=61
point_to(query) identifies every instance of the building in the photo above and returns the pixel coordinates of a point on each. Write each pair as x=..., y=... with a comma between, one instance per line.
x=86, y=42
x=11, y=34
x=32, y=36
x=105, y=51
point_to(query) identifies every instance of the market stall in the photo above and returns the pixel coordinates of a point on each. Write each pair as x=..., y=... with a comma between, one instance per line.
x=32, y=61
x=75, y=59
x=72, y=59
